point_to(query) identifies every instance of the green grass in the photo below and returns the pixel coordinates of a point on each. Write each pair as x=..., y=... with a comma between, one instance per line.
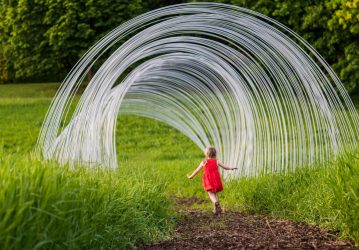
x=43, y=205
x=328, y=196
x=54, y=207
x=28, y=90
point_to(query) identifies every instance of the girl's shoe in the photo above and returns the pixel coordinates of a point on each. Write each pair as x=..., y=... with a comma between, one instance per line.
x=218, y=209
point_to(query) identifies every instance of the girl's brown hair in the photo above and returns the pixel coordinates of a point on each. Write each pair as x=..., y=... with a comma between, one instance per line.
x=211, y=152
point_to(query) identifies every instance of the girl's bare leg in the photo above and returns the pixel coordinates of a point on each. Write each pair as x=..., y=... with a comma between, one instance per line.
x=213, y=196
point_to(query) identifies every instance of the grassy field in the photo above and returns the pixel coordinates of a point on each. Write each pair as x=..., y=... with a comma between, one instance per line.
x=328, y=196
x=43, y=205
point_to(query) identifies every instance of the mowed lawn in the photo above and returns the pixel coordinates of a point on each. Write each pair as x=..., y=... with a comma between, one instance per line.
x=46, y=205
x=142, y=143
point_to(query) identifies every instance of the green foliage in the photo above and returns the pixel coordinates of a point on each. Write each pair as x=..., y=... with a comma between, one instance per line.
x=4, y=71
x=75, y=25
x=155, y=4
x=345, y=22
x=22, y=39
x=346, y=14
x=46, y=47
x=320, y=23
x=44, y=39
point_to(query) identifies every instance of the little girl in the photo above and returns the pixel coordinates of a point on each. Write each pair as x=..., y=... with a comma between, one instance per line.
x=211, y=179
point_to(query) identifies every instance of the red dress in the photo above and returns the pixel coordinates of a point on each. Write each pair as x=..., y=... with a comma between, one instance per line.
x=211, y=179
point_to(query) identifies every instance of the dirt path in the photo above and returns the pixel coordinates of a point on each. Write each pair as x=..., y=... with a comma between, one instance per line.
x=232, y=230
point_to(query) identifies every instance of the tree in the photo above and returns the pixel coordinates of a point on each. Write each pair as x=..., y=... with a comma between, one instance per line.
x=23, y=42
x=331, y=27
x=345, y=21
x=45, y=38
x=4, y=71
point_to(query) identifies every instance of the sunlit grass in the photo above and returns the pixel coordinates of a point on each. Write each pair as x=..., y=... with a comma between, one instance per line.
x=55, y=207
x=327, y=195
x=43, y=203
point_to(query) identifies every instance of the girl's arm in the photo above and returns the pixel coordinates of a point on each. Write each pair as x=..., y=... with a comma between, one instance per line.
x=196, y=171
x=225, y=167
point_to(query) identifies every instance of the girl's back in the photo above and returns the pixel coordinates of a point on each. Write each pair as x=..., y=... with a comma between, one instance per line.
x=211, y=180
x=211, y=165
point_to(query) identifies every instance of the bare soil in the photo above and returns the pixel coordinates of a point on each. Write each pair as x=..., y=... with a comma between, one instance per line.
x=198, y=229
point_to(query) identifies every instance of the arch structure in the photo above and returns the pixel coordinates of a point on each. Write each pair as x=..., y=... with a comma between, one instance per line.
x=222, y=75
